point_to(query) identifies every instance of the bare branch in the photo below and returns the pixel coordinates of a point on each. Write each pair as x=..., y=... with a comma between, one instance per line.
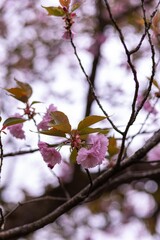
x=1, y=155
x=147, y=27
x=90, y=84
x=21, y=204
x=134, y=113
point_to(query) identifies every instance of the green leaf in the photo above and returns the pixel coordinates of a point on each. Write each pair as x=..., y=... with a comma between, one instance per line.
x=60, y=121
x=0, y=118
x=112, y=147
x=35, y=102
x=54, y=132
x=89, y=130
x=55, y=11
x=88, y=121
x=75, y=6
x=73, y=155
x=12, y=121
x=22, y=92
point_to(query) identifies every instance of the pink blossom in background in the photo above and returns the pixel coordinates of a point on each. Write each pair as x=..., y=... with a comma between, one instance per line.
x=99, y=39
x=147, y=105
x=66, y=35
x=94, y=153
x=16, y=129
x=154, y=154
x=66, y=172
x=43, y=125
x=50, y=155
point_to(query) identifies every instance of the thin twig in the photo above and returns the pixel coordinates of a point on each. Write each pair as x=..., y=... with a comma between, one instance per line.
x=62, y=185
x=134, y=72
x=134, y=113
x=34, y=121
x=35, y=200
x=1, y=164
x=1, y=156
x=22, y=152
x=90, y=181
x=90, y=84
x=142, y=126
x=147, y=27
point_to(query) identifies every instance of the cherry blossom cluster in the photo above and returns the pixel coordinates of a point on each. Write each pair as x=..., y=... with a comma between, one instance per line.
x=88, y=145
x=90, y=153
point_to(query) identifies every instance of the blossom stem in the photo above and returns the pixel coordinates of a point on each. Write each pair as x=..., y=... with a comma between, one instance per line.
x=90, y=83
x=1, y=163
x=1, y=155
x=62, y=185
x=90, y=180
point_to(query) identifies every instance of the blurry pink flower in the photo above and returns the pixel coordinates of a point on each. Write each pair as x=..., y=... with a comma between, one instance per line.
x=66, y=35
x=147, y=105
x=50, y=155
x=16, y=129
x=95, y=153
x=66, y=172
x=43, y=125
x=154, y=154
x=99, y=39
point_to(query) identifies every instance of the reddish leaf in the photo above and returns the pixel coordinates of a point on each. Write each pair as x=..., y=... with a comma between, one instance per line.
x=54, y=132
x=22, y=93
x=88, y=121
x=12, y=121
x=60, y=121
x=65, y=3
x=89, y=130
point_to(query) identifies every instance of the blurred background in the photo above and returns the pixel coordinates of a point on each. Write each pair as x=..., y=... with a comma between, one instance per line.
x=32, y=50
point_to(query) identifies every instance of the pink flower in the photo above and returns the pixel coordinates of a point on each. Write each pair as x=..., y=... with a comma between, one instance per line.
x=147, y=105
x=99, y=39
x=50, y=155
x=154, y=154
x=95, y=152
x=43, y=125
x=16, y=129
x=66, y=35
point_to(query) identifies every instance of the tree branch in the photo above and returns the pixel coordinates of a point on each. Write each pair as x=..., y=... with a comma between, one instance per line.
x=82, y=195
